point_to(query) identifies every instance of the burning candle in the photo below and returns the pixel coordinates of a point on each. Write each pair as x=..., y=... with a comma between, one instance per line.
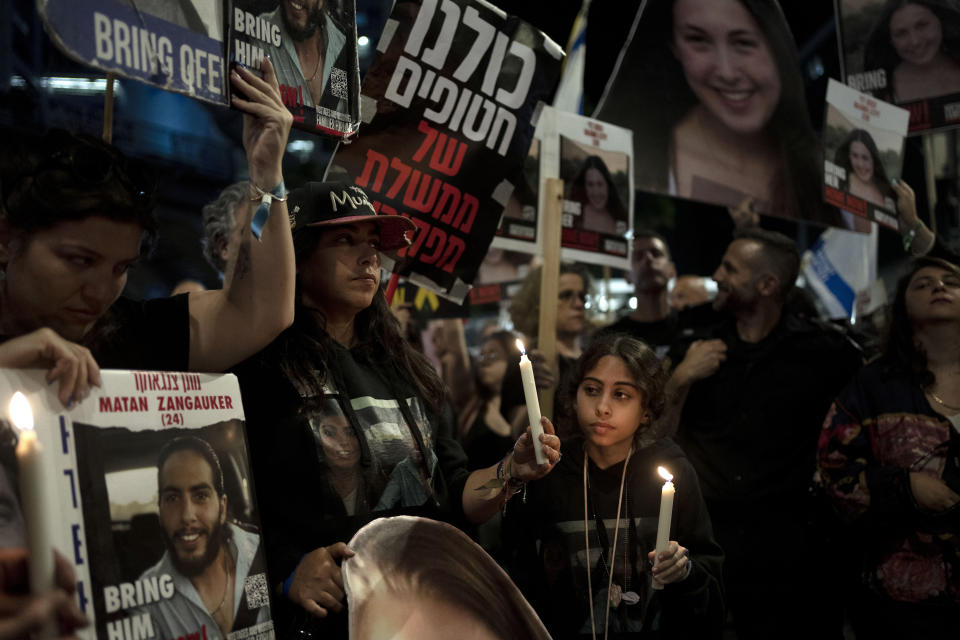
x=533, y=403
x=666, y=514
x=34, y=497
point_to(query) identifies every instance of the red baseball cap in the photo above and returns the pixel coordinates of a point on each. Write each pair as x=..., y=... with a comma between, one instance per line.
x=329, y=204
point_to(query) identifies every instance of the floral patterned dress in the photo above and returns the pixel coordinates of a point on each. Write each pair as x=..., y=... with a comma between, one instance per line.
x=879, y=430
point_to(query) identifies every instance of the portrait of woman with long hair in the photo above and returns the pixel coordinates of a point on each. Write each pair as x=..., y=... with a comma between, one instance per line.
x=866, y=176
x=917, y=44
x=601, y=209
x=716, y=102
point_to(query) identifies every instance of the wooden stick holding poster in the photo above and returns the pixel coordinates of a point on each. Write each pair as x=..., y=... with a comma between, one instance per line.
x=931, y=180
x=108, y=110
x=550, y=283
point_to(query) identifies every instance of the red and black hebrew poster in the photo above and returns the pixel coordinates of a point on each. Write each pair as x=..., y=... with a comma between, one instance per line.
x=448, y=110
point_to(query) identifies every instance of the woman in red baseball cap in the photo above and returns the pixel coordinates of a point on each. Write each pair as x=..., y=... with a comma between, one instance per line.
x=344, y=362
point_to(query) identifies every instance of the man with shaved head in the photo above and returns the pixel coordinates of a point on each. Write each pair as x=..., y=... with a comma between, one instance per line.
x=750, y=428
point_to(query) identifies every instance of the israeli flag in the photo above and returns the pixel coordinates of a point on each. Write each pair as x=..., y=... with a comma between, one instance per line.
x=839, y=267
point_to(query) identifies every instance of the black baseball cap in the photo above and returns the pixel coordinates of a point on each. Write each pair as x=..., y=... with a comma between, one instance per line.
x=328, y=204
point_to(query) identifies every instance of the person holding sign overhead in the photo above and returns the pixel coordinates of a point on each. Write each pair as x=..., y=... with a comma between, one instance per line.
x=77, y=214
x=603, y=504
x=345, y=360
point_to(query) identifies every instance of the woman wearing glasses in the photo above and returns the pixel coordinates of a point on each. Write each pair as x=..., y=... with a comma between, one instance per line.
x=76, y=215
x=889, y=460
x=573, y=295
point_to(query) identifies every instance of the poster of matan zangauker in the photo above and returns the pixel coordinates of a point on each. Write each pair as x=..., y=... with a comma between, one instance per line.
x=713, y=93
x=595, y=161
x=863, y=145
x=147, y=492
x=905, y=52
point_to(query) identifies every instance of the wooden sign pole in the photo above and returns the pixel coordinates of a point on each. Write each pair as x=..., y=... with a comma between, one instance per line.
x=549, y=284
x=931, y=185
x=108, y=110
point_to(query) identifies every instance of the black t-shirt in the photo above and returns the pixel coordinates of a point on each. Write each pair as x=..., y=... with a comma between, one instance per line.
x=544, y=547
x=324, y=467
x=670, y=336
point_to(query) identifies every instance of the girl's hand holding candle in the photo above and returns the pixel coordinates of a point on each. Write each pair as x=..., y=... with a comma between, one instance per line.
x=666, y=515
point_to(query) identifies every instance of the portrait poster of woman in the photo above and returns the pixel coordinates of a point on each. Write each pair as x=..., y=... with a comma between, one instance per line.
x=713, y=93
x=863, y=145
x=906, y=52
x=594, y=160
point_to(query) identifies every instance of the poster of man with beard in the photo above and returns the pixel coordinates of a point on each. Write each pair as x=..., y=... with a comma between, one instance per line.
x=186, y=556
x=313, y=47
x=155, y=505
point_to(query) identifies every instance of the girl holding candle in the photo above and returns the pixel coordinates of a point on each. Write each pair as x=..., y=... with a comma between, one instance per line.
x=603, y=504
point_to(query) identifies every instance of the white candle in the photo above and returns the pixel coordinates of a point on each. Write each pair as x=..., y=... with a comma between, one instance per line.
x=666, y=515
x=533, y=403
x=34, y=497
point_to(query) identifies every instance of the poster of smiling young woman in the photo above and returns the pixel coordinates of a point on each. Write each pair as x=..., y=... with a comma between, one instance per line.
x=713, y=94
x=151, y=499
x=863, y=144
x=906, y=52
x=594, y=159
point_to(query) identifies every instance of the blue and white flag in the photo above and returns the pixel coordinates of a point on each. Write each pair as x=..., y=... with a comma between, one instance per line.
x=841, y=266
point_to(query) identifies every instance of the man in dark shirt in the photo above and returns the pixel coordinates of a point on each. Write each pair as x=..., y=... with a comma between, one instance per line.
x=750, y=429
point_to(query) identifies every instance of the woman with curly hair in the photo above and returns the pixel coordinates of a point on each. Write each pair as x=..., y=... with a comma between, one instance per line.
x=581, y=548
x=917, y=44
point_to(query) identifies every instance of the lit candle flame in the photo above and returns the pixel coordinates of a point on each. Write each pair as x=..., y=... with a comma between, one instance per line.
x=523, y=351
x=20, y=412
x=666, y=475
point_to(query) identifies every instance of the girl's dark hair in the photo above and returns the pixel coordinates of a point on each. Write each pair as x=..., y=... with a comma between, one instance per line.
x=667, y=99
x=578, y=191
x=642, y=363
x=67, y=177
x=901, y=354
x=878, y=53
x=304, y=351
x=842, y=158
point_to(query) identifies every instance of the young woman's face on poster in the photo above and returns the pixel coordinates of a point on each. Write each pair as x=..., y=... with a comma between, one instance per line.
x=916, y=34
x=727, y=62
x=861, y=161
x=596, y=187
